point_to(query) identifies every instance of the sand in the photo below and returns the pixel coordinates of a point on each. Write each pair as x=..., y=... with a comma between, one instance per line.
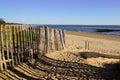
x=70, y=64
x=105, y=44
x=101, y=44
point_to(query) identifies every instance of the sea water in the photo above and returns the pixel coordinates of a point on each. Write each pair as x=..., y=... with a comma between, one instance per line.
x=88, y=28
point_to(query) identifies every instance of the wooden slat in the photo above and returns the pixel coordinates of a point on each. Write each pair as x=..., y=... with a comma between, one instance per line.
x=51, y=40
x=56, y=40
x=20, y=43
x=23, y=42
x=30, y=30
x=11, y=45
x=62, y=40
x=3, y=48
x=42, y=40
x=7, y=31
x=15, y=44
x=47, y=48
x=25, y=46
x=1, y=64
x=36, y=40
x=32, y=39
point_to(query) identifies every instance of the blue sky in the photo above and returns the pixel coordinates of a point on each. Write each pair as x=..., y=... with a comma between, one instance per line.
x=85, y=12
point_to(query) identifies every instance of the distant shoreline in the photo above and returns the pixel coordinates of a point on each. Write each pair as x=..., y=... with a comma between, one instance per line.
x=99, y=36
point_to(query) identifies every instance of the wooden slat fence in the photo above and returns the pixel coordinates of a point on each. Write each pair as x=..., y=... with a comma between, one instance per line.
x=20, y=43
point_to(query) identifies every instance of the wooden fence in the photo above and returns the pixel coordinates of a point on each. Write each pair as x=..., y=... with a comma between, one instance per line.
x=19, y=43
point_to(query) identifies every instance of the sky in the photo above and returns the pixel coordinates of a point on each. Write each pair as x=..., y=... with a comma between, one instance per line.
x=78, y=12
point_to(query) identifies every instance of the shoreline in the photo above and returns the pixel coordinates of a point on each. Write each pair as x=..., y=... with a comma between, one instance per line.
x=91, y=35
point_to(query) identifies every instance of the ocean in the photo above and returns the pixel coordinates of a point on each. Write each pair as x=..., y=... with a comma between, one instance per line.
x=95, y=29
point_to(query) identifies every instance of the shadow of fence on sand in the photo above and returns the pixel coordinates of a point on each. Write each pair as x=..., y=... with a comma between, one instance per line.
x=45, y=68
x=72, y=69
x=95, y=55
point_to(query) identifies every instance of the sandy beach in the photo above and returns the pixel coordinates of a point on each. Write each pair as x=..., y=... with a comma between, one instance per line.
x=94, y=61
x=102, y=50
x=101, y=44
x=105, y=44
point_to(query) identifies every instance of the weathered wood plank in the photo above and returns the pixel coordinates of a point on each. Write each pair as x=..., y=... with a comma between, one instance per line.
x=47, y=48
x=23, y=43
x=2, y=45
x=11, y=45
x=35, y=41
x=20, y=43
x=25, y=46
x=50, y=39
x=15, y=44
x=7, y=39
x=56, y=39
x=86, y=45
x=42, y=41
x=62, y=39
x=1, y=64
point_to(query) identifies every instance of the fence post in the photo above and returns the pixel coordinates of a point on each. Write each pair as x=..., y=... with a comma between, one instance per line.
x=62, y=40
x=23, y=42
x=35, y=40
x=18, y=43
x=58, y=40
x=42, y=41
x=2, y=44
x=51, y=39
x=88, y=45
x=14, y=44
x=64, y=37
x=25, y=46
x=11, y=46
x=55, y=39
x=6, y=42
x=47, y=39
x=21, y=46
x=1, y=60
